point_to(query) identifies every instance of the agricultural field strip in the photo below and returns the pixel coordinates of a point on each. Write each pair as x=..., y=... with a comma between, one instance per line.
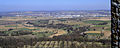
x=58, y=43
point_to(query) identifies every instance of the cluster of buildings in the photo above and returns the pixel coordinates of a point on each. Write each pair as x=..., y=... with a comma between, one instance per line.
x=61, y=14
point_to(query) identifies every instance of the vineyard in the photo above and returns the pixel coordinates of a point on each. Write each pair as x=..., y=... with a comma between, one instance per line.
x=64, y=44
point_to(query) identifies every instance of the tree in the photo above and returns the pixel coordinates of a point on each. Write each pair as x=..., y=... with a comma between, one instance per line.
x=94, y=29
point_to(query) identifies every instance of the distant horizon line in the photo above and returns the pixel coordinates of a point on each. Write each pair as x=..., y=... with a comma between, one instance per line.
x=54, y=10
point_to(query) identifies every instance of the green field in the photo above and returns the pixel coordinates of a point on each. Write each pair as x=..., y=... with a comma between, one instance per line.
x=25, y=29
x=101, y=25
x=95, y=21
x=11, y=26
x=42, y=34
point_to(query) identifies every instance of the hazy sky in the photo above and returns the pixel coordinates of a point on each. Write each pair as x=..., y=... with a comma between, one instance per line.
x=37, y=5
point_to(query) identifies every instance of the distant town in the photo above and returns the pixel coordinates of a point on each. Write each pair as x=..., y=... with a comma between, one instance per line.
x=60, y=14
